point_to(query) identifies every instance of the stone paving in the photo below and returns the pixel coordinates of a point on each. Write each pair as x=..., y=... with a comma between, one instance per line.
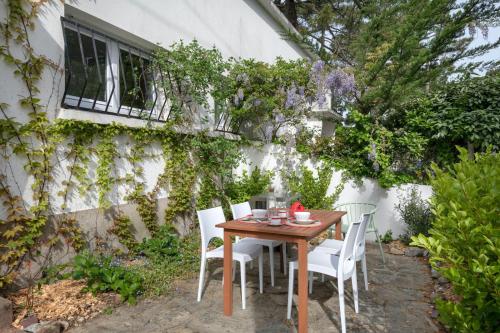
x=397, y=301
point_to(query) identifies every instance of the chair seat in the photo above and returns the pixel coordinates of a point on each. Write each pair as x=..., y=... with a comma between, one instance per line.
x=325, y=263
x=334, y=244
x=263, y=242
x=242, y=250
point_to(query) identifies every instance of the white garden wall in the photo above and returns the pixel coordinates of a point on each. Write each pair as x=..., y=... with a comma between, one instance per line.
x=269, y=157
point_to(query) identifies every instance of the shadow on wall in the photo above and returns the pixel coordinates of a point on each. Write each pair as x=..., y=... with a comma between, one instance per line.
x=46, y=40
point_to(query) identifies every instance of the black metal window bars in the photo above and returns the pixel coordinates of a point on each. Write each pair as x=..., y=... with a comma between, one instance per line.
x=107, y=76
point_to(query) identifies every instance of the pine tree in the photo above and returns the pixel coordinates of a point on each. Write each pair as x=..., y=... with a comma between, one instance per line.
x=396, y=48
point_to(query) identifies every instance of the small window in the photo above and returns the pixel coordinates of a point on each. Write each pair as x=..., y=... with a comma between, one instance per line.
x=136, y=83
x=85, y=69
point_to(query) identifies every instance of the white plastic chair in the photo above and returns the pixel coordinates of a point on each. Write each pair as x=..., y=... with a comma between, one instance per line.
x=243, y=251
x=340, y=265
x=354, y=212
x=335, y=246
x=243, y=209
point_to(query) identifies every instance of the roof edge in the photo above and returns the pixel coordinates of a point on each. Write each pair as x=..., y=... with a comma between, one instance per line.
x=281, y=19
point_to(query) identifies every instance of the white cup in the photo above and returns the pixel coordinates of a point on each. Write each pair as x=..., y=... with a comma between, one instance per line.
x=302, y=216
x=275, y=221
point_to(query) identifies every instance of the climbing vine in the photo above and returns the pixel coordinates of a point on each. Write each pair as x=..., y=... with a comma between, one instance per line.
x=58, y=156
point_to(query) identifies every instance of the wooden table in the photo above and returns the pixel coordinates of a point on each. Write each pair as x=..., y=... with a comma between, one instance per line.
x=291, y=234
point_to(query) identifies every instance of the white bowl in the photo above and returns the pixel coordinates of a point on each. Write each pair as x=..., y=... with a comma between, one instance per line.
x=302, y=216
x=259, y=213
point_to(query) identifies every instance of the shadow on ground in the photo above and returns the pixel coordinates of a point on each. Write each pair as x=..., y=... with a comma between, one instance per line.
x=397, y=301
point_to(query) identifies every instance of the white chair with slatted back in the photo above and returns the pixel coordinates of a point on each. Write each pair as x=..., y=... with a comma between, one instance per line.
x=333, y=245
x=242, y=210
x=340, y=265
x=243, y=252
x=354, y=212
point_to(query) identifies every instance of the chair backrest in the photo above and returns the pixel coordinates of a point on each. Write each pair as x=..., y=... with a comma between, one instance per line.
x=355, y=211
x=346, y=257
x=361, y=236
x=241, y=210
x=208, y=218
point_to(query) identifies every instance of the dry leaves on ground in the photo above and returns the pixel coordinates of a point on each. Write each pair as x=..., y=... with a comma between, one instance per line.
x=63, y=300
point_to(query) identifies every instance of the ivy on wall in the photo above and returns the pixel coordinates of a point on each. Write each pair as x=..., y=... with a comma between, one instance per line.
x=192, y=162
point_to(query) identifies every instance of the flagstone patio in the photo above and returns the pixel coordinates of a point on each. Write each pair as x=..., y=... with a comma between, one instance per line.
x=398, y=300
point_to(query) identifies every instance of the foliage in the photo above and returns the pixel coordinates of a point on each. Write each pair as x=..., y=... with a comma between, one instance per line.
x=463, y=112
x=387, y=237
x=163, y=245
x=415, y=213
x=313, y=189
x=102, y=275
x=165, y=265
x=247, y=186
x=192, y=73
x=124, y=230
x=398, y=49
x=464, y=241
x=181, y=175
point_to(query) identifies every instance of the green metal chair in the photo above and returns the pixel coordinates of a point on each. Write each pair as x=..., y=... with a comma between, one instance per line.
x=354, y=211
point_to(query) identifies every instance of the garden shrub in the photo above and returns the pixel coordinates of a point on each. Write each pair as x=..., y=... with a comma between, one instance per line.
x=313, y=189
x=387, y=237
x=415, y=213
x=165, y=266
x=464, y=241
x=163, y=245
x=102, y=275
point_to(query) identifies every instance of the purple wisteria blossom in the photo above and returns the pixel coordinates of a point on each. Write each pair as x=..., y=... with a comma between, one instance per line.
x=336, y=82
x=257, y=102
x=318, y=66
x=242, y=77
x=291, y=97
x=279, y=118
x=372, y=155
x=268, y=133
x=241, y=94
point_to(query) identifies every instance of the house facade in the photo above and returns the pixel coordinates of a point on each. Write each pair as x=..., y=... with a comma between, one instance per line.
x=100, y=51
x=96, y=47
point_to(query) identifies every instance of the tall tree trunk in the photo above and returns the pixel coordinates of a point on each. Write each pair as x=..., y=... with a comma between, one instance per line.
x=288, y=7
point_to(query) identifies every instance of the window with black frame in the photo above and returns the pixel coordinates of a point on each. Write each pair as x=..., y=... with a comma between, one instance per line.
x=85, y=70
x=137, y=90
x=106, y=75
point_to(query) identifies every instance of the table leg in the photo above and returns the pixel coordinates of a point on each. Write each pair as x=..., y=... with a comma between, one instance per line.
x=302, y=245
x=338, y=231
x=282, y=263
x=228, y=278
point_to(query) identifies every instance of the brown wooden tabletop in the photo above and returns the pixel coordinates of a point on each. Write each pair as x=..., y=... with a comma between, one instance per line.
x=292, y=234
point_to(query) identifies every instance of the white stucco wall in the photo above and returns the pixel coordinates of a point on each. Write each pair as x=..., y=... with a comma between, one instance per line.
x=238, y=28
x=270, y=157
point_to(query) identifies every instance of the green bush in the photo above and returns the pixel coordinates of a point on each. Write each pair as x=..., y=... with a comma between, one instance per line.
x=312, y=189
x=102, y=275
x=464, y=241
x=415, y=213
x=164, y=266
x=246, y=186
x=165, y=244
x=387, y=237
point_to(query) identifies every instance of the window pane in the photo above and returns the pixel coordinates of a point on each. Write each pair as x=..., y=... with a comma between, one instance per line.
x=136, y=82
x=92, y=86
